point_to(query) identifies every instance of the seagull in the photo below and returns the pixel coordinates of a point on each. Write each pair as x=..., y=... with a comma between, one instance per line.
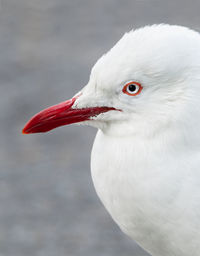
x=143, y=96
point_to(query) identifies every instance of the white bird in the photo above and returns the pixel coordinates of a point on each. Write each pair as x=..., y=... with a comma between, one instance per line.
x=144, y=98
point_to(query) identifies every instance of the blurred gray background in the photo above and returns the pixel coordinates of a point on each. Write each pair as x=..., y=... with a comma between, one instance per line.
x=48, y=206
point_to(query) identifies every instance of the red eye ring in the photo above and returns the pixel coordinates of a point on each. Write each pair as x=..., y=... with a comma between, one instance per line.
x=132, y=88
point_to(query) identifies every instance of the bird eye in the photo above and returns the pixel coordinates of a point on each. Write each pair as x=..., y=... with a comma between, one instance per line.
x=132, y=88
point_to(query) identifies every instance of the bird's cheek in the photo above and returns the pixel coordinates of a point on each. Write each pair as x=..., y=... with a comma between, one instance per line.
x=126, y=101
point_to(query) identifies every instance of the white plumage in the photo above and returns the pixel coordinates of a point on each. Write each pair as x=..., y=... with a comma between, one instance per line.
x=146, y=156
x=146, y=159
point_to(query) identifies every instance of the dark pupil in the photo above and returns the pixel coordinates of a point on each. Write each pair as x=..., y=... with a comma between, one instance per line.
x=132, y=87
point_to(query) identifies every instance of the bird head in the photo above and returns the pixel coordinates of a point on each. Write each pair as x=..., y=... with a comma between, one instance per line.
x=148, y=81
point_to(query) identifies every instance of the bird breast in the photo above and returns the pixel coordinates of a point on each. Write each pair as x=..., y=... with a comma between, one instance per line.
x=145, y=190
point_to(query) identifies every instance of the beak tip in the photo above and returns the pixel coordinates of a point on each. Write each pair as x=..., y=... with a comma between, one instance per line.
x=24, y=131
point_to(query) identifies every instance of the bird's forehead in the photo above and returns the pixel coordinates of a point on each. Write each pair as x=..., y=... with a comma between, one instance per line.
x=152, y=51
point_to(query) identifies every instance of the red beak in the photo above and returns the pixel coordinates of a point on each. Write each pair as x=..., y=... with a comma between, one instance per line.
x=61, y=114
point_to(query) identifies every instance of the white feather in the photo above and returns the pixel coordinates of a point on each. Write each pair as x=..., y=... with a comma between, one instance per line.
x=146, y=159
